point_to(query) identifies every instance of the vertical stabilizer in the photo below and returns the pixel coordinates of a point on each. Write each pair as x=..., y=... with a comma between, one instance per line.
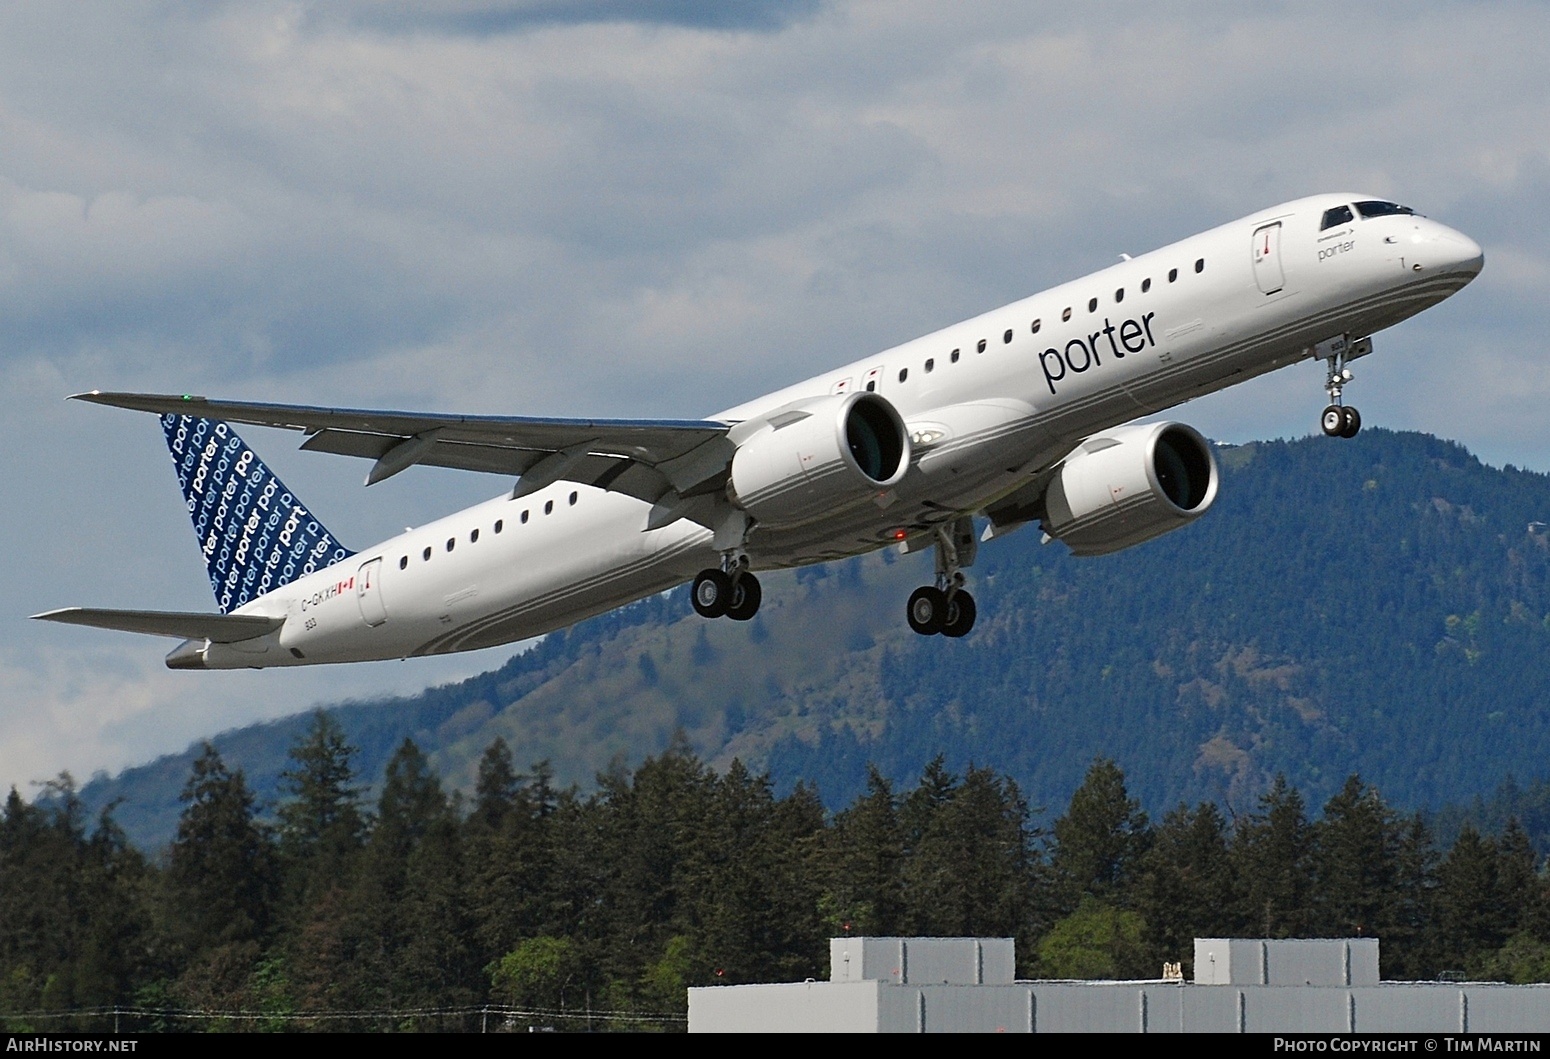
x=254, y=533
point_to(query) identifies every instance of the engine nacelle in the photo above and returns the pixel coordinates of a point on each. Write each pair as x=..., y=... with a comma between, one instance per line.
x=1129, y=485
x=807, y=460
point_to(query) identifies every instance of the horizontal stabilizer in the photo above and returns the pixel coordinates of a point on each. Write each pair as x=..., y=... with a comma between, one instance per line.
x=217, y=628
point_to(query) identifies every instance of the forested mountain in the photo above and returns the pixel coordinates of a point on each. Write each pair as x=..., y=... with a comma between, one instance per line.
x=1378, y=606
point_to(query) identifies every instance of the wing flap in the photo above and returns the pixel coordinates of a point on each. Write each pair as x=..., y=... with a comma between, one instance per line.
x=217, y=628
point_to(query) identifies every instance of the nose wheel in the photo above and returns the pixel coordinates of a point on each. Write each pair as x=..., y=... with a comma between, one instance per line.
x=1340, y=420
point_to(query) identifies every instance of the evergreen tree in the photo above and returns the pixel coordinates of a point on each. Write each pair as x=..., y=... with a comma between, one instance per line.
x=642, y=831
x=865, y=894
x=968, y=870
x=1521, y=887
x=73, y=915
x=321, y=828
x=438, y=966
x=1472, y=920
x=1186, y=886
x=321, y=834
x=1100, y=840
x=497, y=789
x=220, y=871
x=412, y=805
x=1271, y=854
x=511, y=855
x=1354, y=860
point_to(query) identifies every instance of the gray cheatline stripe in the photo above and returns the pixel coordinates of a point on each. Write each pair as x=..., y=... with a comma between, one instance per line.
x=463, y=632
x=775, y=492
x=1419, y=292
x=1449, y=282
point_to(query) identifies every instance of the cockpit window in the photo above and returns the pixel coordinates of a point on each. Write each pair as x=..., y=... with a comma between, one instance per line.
x=1377, y=208
x=1336, y=216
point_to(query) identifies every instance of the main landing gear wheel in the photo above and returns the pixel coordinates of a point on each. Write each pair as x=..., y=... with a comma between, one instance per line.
x=960, y=614
x=716, y=593
x=927, y=610
x=746, y=595
x=945, y=607
x=711, y=593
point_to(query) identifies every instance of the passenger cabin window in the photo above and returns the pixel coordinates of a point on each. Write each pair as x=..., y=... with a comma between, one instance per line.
x=1036, y=325
x=499, y=525
x=403, y=564
x=427, y=554
x=1173, y=274
x=1092, y=305
x=981, y=346
x=1200, y=264
x=524, y=518
x=1065, y=315
x=1335, y=217
x=1007, y=338
x=1378, y=208
x=930, y=363
x=1146, y=284
x=548, y=507
x=1119, y=295
x=904, y=373
x=451, y=543
x=954, y=357
x=573, y=500
x=473, y=537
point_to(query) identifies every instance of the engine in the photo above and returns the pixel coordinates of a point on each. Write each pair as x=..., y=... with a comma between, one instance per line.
x=1129, y=485
x=805, y=461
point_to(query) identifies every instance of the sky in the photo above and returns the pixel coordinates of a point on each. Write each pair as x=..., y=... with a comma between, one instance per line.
x=650, y=208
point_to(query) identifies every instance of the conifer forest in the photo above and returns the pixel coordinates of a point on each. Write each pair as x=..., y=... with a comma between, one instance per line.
x=527, y=904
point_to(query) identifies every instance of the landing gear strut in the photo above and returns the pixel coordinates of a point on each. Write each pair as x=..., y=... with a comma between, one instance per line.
x=946, y=607
x=732, y=591
x=1340, y=420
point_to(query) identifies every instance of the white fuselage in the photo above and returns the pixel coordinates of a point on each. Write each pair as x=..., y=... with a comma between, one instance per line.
x=989, y=402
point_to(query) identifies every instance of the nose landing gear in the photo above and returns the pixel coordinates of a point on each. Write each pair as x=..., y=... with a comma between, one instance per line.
x=1340, y=420
x=946, y=607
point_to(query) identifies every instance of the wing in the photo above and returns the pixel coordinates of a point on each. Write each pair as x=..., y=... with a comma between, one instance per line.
x=667, y=462
x=217, y=628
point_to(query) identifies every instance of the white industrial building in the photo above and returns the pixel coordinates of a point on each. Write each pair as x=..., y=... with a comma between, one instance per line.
x=946, y=985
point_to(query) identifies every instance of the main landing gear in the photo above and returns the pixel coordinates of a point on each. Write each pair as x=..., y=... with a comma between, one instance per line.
x=946, y=607
x=1340, y=420
x=731, y=591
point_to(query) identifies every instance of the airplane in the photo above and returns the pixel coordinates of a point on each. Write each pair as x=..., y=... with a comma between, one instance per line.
x=1025, y=414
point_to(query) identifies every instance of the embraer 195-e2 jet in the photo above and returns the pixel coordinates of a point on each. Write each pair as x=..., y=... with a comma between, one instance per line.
x=1013, y=417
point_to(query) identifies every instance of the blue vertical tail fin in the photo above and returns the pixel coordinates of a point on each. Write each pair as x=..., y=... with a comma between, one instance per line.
x=254, y=533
